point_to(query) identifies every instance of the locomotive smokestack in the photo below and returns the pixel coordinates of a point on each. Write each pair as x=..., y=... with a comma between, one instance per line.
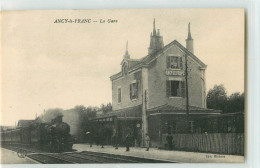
x=57, y=119
x=51, y=114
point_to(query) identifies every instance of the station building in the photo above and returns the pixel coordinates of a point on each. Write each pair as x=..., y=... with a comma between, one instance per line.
x=163, y=92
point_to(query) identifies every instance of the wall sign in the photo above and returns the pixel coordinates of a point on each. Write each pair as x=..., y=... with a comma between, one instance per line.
x=174, y=73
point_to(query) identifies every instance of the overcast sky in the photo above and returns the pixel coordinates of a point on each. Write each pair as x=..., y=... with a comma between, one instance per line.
x=47, y=65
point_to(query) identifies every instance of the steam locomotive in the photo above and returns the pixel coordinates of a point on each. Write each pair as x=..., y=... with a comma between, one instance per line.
x=53, y=136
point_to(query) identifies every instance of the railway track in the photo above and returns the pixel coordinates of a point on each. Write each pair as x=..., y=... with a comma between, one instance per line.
x=49, y=159
x=124, y=159
x=79, y=157
x=22, y=149
x=88, y=157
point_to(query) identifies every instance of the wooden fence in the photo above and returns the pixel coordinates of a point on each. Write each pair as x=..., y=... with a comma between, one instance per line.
x=222, y=143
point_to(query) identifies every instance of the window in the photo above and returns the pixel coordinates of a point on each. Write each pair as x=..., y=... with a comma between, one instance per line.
x=134, y=90
x=119, y=95
x=125, y=69
x=174, y=62
x=175, y=88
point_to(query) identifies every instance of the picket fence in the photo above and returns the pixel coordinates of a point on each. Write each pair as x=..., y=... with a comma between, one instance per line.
x=222, y=143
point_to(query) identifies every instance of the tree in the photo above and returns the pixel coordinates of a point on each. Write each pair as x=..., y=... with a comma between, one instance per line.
x=217, y=98
x=106, y=108
x=85, y=114
x=91, y=112
x=235, y=103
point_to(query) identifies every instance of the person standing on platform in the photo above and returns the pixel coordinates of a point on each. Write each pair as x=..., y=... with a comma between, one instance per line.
x=116, y=141
x=102, y=138
x=127, y=142
x=147, y=142
x=169, y=139
x=89, y=134
x=97, y=139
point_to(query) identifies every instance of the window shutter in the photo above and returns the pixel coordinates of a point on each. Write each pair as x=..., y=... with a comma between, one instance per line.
x=181, y=63
x=168, y=88
x=168, y=61
x=119, y=95
x=131, y=91
x=137, y=82
x=179, y=90
x=183, y=89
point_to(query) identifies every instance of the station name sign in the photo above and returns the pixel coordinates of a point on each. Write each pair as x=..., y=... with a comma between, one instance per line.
x=174, y=73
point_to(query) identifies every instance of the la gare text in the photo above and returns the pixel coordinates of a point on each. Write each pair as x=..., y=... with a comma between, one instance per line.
x=85, y=21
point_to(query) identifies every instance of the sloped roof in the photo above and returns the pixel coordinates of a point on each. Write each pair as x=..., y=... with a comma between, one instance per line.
x=225, y=115
x=181, y=109
x=134, y=63
x=25, y=123
x=130, y=112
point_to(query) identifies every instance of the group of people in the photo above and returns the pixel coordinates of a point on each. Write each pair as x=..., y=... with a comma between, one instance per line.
x=99, y=140
x=128, y=141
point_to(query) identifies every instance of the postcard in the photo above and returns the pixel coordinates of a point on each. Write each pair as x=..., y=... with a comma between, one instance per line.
x=123, y=86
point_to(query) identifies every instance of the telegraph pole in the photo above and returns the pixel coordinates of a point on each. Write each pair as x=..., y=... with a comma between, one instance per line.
x=187, y=94
x=144, y=117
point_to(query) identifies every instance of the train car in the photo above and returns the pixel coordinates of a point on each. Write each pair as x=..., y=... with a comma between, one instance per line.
x=16, y=136
x=52, y=137
x=11, y=136
x=25, y=135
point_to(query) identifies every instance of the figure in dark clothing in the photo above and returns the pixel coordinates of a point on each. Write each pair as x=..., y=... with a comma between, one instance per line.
x=115, y=141
x=97, y=139
x=169, y=139
x=89, y=135
x=102, y=143
x=147, y=142
x=127, y=142
x=102, y=139
x=90, y=140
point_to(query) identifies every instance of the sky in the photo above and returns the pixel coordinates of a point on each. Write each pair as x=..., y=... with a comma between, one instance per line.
x=48, y=65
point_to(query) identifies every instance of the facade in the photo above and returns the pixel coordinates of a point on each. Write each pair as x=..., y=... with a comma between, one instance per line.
x=162, y=75
x=163, y=92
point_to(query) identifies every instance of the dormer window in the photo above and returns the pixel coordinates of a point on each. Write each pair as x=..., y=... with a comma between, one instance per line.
x=174, y=62
x=125, y=69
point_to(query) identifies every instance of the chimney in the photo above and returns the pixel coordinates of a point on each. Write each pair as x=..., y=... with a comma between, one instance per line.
x=154, y=29
x=126, y=56
x=156, y=40
x=189, y=41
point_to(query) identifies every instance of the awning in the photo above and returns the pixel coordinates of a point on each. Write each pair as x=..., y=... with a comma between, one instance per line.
x=168, y=109
x=131, y=113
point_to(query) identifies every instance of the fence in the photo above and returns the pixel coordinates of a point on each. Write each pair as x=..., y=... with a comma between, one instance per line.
x=222, y=143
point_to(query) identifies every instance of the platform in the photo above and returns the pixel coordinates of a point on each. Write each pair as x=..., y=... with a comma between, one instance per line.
x=154, y=153
x=11, y=157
